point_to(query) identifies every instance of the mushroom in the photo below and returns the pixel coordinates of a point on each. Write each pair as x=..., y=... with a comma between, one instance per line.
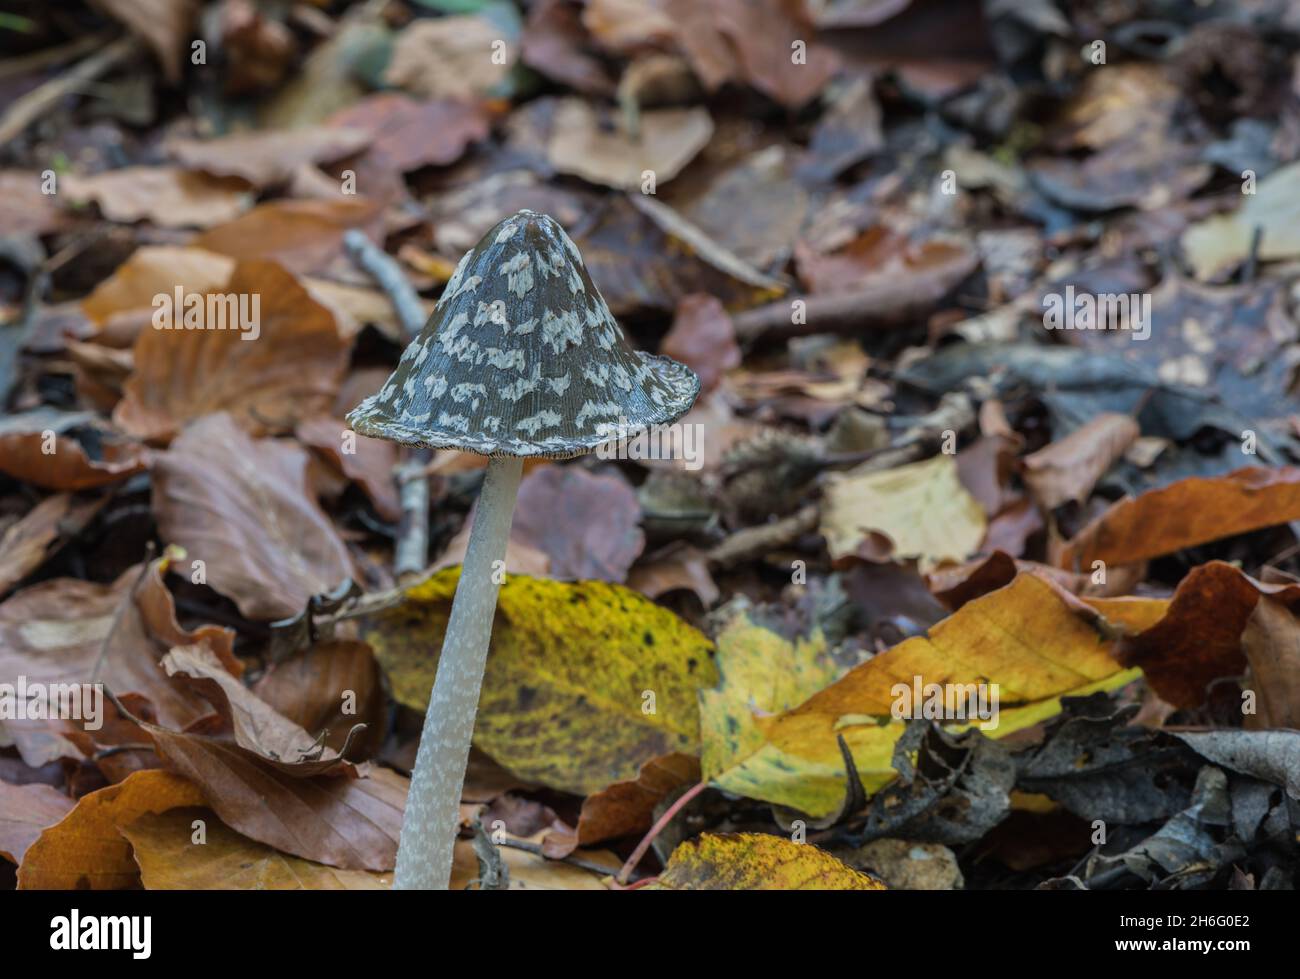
x=521, y=358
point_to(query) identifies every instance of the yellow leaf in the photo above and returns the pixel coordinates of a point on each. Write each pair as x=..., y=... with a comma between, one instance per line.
x=763, y=674
x=758, y=862
x=170, y=859
x=85, y=851
x=923, y=507
x=567, y=695
x=1028, y=638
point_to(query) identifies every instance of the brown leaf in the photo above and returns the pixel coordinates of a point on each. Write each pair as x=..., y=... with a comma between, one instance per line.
x=1192, y=511
x=164, y=25
x=24, y=209
x=587, y=525
x=24, y=545
x=59, y=630
x=151, y=270
x=555, y=44
x=331, y=686
x=268, y=157
x=25, y=812
x=703, y=338
x=628, y=807
x=85, y=851
x=592, y=145
x=288, y=365
x=879, y=258
x=1271, y=642
x=1200, y=638
x=413, y=134
x=303, y=236
x=352, y=823
x=680, y=568
x=255, y=725
x=60, y=462
x=169, y=859
x=241, y=506
x=1068, y=469
x=369, y=464
x=167, y=196
x=449, y=58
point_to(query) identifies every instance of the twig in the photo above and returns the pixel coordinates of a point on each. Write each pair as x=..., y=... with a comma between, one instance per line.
x=51, y=56
x=752, y=542
x=30, y=107
x=658, y=828
x=411, y=554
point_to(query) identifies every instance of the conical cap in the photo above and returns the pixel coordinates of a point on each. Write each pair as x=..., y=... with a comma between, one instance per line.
x=522, y=357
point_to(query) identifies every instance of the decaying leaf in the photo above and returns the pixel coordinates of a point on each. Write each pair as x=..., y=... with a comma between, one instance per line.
x=262, y=350
x=1189, y=512
x=165, y=848
x=242, y=507
x=756, y=862
x=571, y=672
x=86, y=851
x=268, y=157
x=922, y=507
x=1069, y=469
x=26, y=811
x=166, y=196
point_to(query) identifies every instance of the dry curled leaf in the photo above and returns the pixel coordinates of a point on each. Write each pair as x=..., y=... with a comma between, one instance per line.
x=167, y=196
x=268, y=157
x=1068, y=469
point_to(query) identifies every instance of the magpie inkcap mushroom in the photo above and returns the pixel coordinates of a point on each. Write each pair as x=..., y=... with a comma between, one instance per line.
x=521, y=358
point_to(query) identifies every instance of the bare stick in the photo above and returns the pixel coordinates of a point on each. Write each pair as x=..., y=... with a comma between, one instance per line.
x=411, y=555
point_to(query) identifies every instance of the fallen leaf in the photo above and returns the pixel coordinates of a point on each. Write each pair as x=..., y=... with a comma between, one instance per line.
x=555, y=44
x=452, y=57
x=241, y=506
x=26, y=209
x=154, y=270
x=170, y=859
x=763, y=674
x=1273, y=756
x=26, y=811
x=758, y=862
x=1219, y=244
x=284, y=365
x=61, y=630
x=267, y=157
x=413, y=134
x=166, y=196
x=1069, y=468
x=1192, y=511
x=367, y=462
x=1026, y=638
x=880, y=257
x=588, y=525
x=302, y=235
x=330, y=687
x=588, y=144
x=922, y=507
x=564, y=695
x=703, y=339
x=85, y=851
x=347, y=822
x=25, y=544
x=1271, y=643
x=67, y=450
x=625, y=808
x=681, y=568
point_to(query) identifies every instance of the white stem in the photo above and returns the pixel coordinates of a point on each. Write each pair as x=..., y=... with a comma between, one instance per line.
x=433, y=804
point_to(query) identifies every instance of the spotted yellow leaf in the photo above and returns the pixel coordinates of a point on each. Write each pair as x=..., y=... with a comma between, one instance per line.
x=585, y=681
x=758, y=862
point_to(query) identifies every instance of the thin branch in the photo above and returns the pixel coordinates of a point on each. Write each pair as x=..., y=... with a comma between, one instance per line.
x=40, y=100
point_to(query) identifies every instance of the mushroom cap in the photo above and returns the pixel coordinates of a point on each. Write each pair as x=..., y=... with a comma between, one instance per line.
x=522, y=357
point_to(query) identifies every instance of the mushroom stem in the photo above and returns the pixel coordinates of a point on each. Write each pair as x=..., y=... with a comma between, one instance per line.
x=429, y=826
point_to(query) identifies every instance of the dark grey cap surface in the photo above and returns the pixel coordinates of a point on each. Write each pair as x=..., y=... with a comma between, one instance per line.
x=522, y=357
